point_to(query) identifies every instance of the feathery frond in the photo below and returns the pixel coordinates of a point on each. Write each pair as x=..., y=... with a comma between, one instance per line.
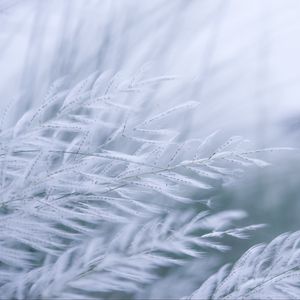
x=264, y=272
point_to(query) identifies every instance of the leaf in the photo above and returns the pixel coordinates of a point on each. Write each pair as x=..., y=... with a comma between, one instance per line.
x=176, y=109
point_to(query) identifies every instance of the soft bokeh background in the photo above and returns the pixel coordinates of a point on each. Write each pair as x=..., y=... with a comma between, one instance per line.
x=239, y=59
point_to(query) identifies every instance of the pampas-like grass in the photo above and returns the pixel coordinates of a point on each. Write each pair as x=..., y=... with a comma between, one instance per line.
x=112, y=187
x=100, y=199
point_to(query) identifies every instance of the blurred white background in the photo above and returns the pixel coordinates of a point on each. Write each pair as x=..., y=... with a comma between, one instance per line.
x=244, y=54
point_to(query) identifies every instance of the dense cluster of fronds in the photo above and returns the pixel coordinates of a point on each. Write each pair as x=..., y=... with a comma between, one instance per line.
x=99, y=198
x=109, y=188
